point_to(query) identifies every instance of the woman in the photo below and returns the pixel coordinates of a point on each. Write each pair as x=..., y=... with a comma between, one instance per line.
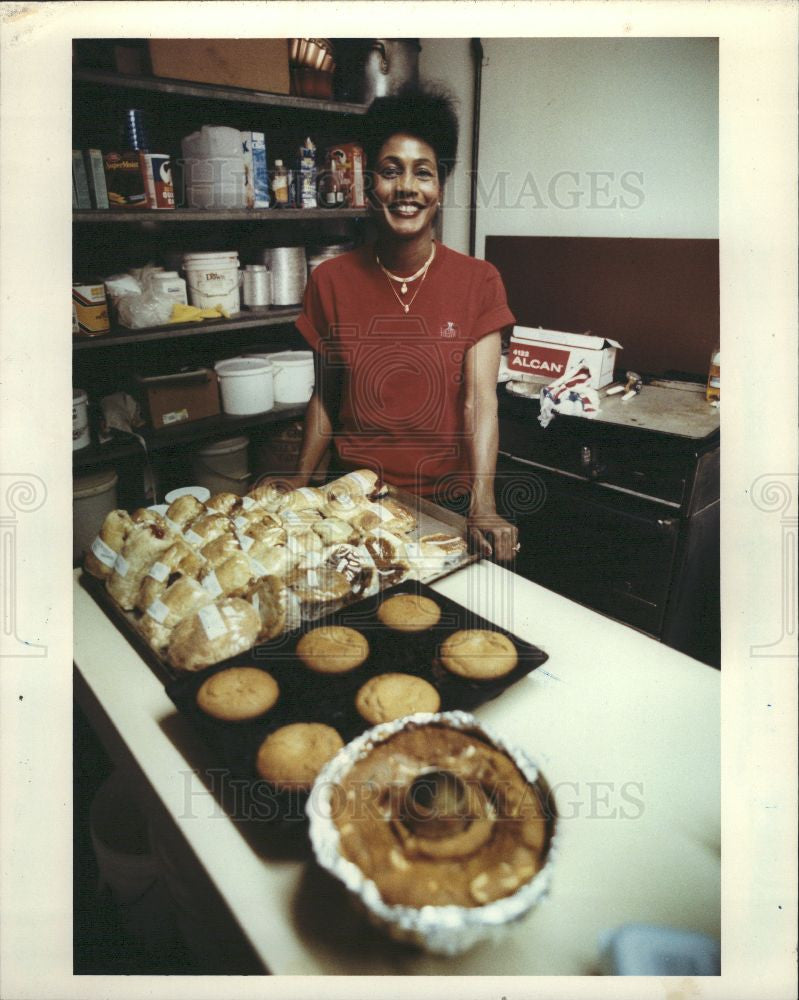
x=406, y=333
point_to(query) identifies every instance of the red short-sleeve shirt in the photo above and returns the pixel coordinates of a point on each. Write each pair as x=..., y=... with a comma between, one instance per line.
x=402, y=405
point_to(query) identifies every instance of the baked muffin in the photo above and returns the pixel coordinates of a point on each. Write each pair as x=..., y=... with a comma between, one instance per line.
x=409, y=613
x=292, y=756
x=332, y=649
x=214, y=633
x=391, y=696
x=478, y=654
x=238, y=694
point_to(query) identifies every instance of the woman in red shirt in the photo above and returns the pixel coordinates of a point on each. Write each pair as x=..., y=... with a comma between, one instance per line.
x=406, y=333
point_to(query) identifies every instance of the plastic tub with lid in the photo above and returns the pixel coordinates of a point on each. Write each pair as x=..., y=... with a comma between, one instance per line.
x=294, y=376
x=247, y=385
x=223, y=466
x=93, y=497
x=213, y=280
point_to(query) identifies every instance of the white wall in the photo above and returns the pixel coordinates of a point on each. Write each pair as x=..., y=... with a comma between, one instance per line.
x=587, y=137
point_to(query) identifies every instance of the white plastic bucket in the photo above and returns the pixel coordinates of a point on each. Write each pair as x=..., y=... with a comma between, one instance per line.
x=80, y=420
x=223, y=466
x=93, y=497
x=213, y=279
x=294, y=376
x=247, y=385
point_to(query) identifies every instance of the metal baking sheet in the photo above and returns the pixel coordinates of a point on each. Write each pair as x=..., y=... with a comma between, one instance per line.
x=431, y=519
x=307, y=696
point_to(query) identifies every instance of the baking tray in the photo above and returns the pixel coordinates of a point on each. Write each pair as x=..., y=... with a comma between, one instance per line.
x=431, y=519
x=306, y=696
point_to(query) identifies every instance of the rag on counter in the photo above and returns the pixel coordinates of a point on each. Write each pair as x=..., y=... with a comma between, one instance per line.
x=570, y=394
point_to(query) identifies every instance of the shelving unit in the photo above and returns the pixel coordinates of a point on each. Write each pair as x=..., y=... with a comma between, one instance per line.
x=109, y=240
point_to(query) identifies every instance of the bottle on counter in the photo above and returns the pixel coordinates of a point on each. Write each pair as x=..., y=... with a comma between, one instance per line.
x=713, y=391
x=280, y=185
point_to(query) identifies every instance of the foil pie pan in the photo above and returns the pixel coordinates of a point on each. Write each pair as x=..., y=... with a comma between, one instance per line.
x=440, y=930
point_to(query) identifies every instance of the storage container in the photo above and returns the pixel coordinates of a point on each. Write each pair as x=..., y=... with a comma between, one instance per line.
x=294, y=376
x=179, y=398
x=222, y=466
x=213, y=280
x=93, y=496
x=289, y=273
x=81, y=437
x=214, y=168
x=256, y=287
x=247, y=385
x=171, y=284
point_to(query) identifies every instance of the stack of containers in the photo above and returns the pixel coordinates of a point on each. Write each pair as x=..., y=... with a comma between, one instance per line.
x=288, y=273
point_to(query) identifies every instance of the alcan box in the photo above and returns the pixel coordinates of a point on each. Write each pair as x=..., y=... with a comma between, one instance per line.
x=547, y=355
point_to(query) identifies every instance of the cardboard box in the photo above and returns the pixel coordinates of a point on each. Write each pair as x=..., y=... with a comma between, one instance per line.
x=180, y=398
x=251, y=63
x=96, y=172
x=546, y=355
x=349, y=158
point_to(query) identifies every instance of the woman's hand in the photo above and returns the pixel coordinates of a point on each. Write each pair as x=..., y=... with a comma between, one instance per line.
x=492, y=535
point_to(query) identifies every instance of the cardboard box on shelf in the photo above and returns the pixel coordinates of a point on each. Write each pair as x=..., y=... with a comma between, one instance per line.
x=546, y=355
x=349, y=158
x=179, y=398
x=250, y=63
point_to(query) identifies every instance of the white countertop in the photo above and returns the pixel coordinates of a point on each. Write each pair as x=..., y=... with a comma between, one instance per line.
x=627, y=731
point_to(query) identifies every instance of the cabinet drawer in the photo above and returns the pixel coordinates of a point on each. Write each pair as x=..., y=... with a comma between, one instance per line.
x=611, y=559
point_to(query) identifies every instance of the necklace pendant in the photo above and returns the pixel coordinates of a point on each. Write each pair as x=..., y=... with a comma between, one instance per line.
x=403, y=288
x=406, y=308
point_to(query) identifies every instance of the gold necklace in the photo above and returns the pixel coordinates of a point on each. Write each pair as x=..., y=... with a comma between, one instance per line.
x=422, y=271
x=407, y=305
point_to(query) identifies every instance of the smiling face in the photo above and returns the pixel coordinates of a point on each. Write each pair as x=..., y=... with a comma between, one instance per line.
x=406, y=187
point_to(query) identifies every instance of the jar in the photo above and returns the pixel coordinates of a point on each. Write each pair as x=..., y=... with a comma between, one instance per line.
x=255, y=286
x=170, y=283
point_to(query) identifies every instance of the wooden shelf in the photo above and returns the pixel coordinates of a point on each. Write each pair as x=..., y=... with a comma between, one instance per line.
x=137, y=216
x=211, y=92
x=248, y=320
x=179, y=434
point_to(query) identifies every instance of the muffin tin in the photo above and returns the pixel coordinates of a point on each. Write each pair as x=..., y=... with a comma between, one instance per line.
x=307, y=696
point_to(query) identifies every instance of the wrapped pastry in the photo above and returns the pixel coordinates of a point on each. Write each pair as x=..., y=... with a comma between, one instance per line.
x=274, y=559
x=356, y=565
x=362, y=481
x=299, y=521
x=223, y=503
x=270, y=496
x=320, y=590
x=141, y=549
x=182, y=598
x=277, y=606
x=396, y=517
x=108, y=544
x=219, y=549
x=304, y=498
x=267, y=531
x=334, y=531
x=389, y=554
x=231, y=578
x=178, y=560
x=214, y=633
x=304, y=549
x=206, y=528
x=183, y=510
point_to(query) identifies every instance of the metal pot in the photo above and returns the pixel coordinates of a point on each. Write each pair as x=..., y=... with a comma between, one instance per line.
x=389, y=65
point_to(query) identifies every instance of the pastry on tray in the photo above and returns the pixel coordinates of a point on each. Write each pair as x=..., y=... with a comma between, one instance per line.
x=108, y=544
x=291, y=757
x=179, y=559
x=391, y=696
x=214, y=633
x=409, y=613
x=180, y=599
x=478, y=654
x=332, y=649
x=142, y=547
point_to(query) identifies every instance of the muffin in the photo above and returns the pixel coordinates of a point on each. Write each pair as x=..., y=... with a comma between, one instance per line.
x=478, y=654
x=292, y=756
x=332, y=649
x=391, y=696
x=238, y=694
x=409, y=613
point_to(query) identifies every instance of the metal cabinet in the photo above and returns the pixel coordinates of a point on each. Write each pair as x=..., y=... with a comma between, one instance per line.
x=622, y=519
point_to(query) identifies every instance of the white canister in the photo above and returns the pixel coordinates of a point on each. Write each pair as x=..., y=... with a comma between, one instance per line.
x=223, y=466
x=213, y=280
x=247, y=385
x=81, y=437
x=255, y=286
x=288, y=270
x=93, y=497
x=294, y=376
x=171, y=284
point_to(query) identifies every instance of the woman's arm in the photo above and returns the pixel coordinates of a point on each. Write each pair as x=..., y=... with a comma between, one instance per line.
x=482, y=436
